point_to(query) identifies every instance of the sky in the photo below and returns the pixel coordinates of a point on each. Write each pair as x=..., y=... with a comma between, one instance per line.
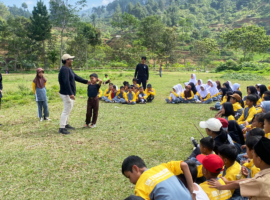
x=32, y=3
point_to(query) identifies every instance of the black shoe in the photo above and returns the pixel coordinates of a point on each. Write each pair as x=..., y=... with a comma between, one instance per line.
x=194, y=142
x=63, y=131
x=69, y=127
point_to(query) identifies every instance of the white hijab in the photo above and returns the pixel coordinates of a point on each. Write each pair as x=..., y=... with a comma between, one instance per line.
x=198, y=87
x=180, y=88
x=230, y=83
x=193, y=80
x=186, y=83
x=213, y=90
x=208, y=86
x=176, y=91
x=235, y=87
x=204, y=93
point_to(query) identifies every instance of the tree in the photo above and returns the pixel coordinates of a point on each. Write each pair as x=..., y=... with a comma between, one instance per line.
x=125, y=21
x=4, y=12
x=40, y=27
x=150, y=32
x=63, y=16
x=161, y=5
x=117, y=14
x=203, y=47
x=250, y=39
x=93, y=18
x=24, y=6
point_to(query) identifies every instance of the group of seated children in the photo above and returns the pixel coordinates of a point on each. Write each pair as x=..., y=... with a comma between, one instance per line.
x=213, y=170
x=128, y=94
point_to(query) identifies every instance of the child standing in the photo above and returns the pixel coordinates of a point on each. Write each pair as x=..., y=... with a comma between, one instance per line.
x=93, y=101
x=142, y=96
x=39, y=89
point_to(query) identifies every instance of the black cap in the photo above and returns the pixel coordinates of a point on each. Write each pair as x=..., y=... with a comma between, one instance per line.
x=262, y=149
x=149, y=85
x=94, y=75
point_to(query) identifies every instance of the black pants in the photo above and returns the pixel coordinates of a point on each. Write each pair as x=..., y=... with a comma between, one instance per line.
x=142, y=80
x=92, y=109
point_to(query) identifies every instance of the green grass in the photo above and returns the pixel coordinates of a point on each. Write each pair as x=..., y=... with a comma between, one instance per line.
x=38, y=163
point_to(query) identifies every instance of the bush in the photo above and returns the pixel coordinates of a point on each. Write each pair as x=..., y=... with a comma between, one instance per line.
x=231, y=65
x=243, y=77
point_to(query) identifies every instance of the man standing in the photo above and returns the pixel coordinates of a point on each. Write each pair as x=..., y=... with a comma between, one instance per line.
x=142, y=73
x=67, y=91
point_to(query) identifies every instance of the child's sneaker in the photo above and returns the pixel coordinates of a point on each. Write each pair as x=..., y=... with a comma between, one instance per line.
x=194, y=142
x=41, y=119
x=198, y=101
x=86, y=126
x=47, y=119
x=92, y=126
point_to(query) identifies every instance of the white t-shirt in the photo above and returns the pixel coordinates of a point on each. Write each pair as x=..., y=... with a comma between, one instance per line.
x=200, y=194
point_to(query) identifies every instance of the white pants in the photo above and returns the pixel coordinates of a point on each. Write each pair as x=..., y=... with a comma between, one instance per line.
x=68, y=106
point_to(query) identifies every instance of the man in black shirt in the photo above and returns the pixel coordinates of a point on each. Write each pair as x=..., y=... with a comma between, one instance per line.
x=67, y=91
x=142, y=73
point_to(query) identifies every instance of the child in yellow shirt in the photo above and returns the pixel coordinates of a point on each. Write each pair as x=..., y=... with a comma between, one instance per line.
x=235, y=98
x=187, y=96
x=267, y=125
x=174, y=96
x=204, y=95
x=150, y=92
x=227, y=112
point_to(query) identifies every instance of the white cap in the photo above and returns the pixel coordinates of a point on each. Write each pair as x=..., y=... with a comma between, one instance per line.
x=67, y=56
x=213, y=124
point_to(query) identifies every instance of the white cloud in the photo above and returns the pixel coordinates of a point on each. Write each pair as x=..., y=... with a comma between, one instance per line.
x=29, y=2
x=106, y=2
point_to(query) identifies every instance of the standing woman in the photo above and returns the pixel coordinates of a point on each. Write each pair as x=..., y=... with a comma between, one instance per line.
x=39, y=89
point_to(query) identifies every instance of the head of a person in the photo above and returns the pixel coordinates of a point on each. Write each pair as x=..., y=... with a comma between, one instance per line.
x=193, y=171
x=106, y=75
x=227, y=109
x=225, y=124
x=133, y=87
x=228, y=96
x=226, y=85
x=256, y=132
x=261, y=155
x=258, y=87
x=192, y=76
x=40, y=72
x=251, y=100
x=266, y=96
x=67, y=60
x=149, y=87
x=111, y=86
x=130, y=89
x=143, y=60
x=262, y=89
x=250, y=143
x=235, y=98
x=132, y=168
x=93, y=78
x=114, y=88
x=202, y=88
x=212, y=127
x=134, y=81
x=212, y=165
x=267, y=123
x=209, y=83
x=218, y=83
x=207, y=145
x=122, y=89
x=199, y=82
x=126, y=85
x=258, y=121
x=188, y=88
x=141, y=90
x=265, y=105
x=133, y=197
x=136, y=89
x=228, y=154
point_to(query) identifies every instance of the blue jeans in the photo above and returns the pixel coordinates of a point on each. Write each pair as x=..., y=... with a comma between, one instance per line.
x=218, y=106
x=195, y=160
x=104, y=98
x=173, y=101
x=215, y=98
x=187, y=101
x=208, y=101
x=44, y=105
x=122, y=100
x=240, y=157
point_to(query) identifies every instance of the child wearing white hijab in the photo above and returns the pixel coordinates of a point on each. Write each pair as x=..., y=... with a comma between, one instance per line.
x=204, y=95
x=180, y=88
x=236, y=87
x=208, y=85
x=193, y=79
x=213, y=91
x=174, y=96
x=198, y=86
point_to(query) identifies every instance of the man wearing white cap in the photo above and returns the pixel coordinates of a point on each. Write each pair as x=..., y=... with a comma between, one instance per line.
x=67, y=91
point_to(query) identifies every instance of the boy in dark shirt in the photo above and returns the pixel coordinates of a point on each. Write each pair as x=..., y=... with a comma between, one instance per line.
x=93, y=101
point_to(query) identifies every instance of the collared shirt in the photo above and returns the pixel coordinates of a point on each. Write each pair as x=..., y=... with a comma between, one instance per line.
x=257, y=187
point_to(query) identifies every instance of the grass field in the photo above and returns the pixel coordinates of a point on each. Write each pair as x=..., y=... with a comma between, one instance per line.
x=38, y=163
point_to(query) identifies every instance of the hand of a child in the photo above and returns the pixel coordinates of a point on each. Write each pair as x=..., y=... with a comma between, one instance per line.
x=245, y=156
x=244, y=129
x=244, y=171
x=248, y=129
x=72, y=97
x=214, y=183
x=243, y=146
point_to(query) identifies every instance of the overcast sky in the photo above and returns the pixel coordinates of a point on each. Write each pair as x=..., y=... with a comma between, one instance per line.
x=32, y=3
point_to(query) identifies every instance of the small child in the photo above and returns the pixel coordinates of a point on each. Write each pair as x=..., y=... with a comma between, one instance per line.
x=121, y=96
x=159, y=182
x=249, y=111
x=257, y=122
x=212, y=166
x=223, y=99
x=232, y=169
x=93, y=101
x=107, y=92
x=142, y=96
x=227, y=112
x=106, y=80
x=126, y=85
x=135, y=83
x=214, y=93
x=267, y=125
x=235, y=98
x=204, y=95
x=130, y=97
x=39, y=89
x=112, y=95
x=187, y=96
x=150, y=92
x=174, y=95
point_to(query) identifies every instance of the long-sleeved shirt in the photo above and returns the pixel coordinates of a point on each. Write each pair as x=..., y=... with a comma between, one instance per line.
x=120, y=95
x=150, y=92
x=206, y=98
x=115, y=94
x=93, y=90
x=142, y=71
x=224, y=100
x=183, y=95
x=237, y=106
x=67, y=80
x=107, y=92
x=252, y=111
x=131, y=97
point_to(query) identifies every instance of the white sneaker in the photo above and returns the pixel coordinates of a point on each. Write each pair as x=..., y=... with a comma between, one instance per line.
x=41, y=119
x=47, y=119
x=198, y=101
x=92, y=126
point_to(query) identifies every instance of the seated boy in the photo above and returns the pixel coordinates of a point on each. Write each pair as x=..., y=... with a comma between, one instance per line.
x=257, y=122
x=126, y=85
x=249, y=170
x=130, y=97
x=135, y=82
x=187, y=96
x=160, y=182
x=112, y=95
x=106, y=80
x=212, y=166
x=150, y=92
x=232, y=169
x=235, y=98
x=142, y=96
x=107, y=92
x=249, y=111
x=257, y=187
x=121, y=96
x=267, y=125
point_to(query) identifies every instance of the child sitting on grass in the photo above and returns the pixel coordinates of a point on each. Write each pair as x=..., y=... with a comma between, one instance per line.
x=107, y=92
x=257, y=122
x=142, y=96
x=135, y=82
x=267, y=125
x=150, y=92
x=223, y=99
x=187, y=96
x=249, y=111
x=121, y=96
x=174, y=95
x=126, y=85
x=204, y=95
x=232, y=169
x=227, y=112
x=39, y=89
x=235, y=98
x=112, y=95
x=159, y=182
x=212, y=166
x=213, y=91
x=258, y=186
x=130, y=97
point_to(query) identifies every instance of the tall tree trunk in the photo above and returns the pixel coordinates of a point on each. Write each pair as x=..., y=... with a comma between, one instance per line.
x=61, y=47
x=45, y=67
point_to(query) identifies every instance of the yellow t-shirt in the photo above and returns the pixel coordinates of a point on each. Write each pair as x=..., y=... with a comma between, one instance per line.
x=224, y=100
x=237, y=106
x=252, y=167
x=231, y=117
x=267, y=135
x=215, y=194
